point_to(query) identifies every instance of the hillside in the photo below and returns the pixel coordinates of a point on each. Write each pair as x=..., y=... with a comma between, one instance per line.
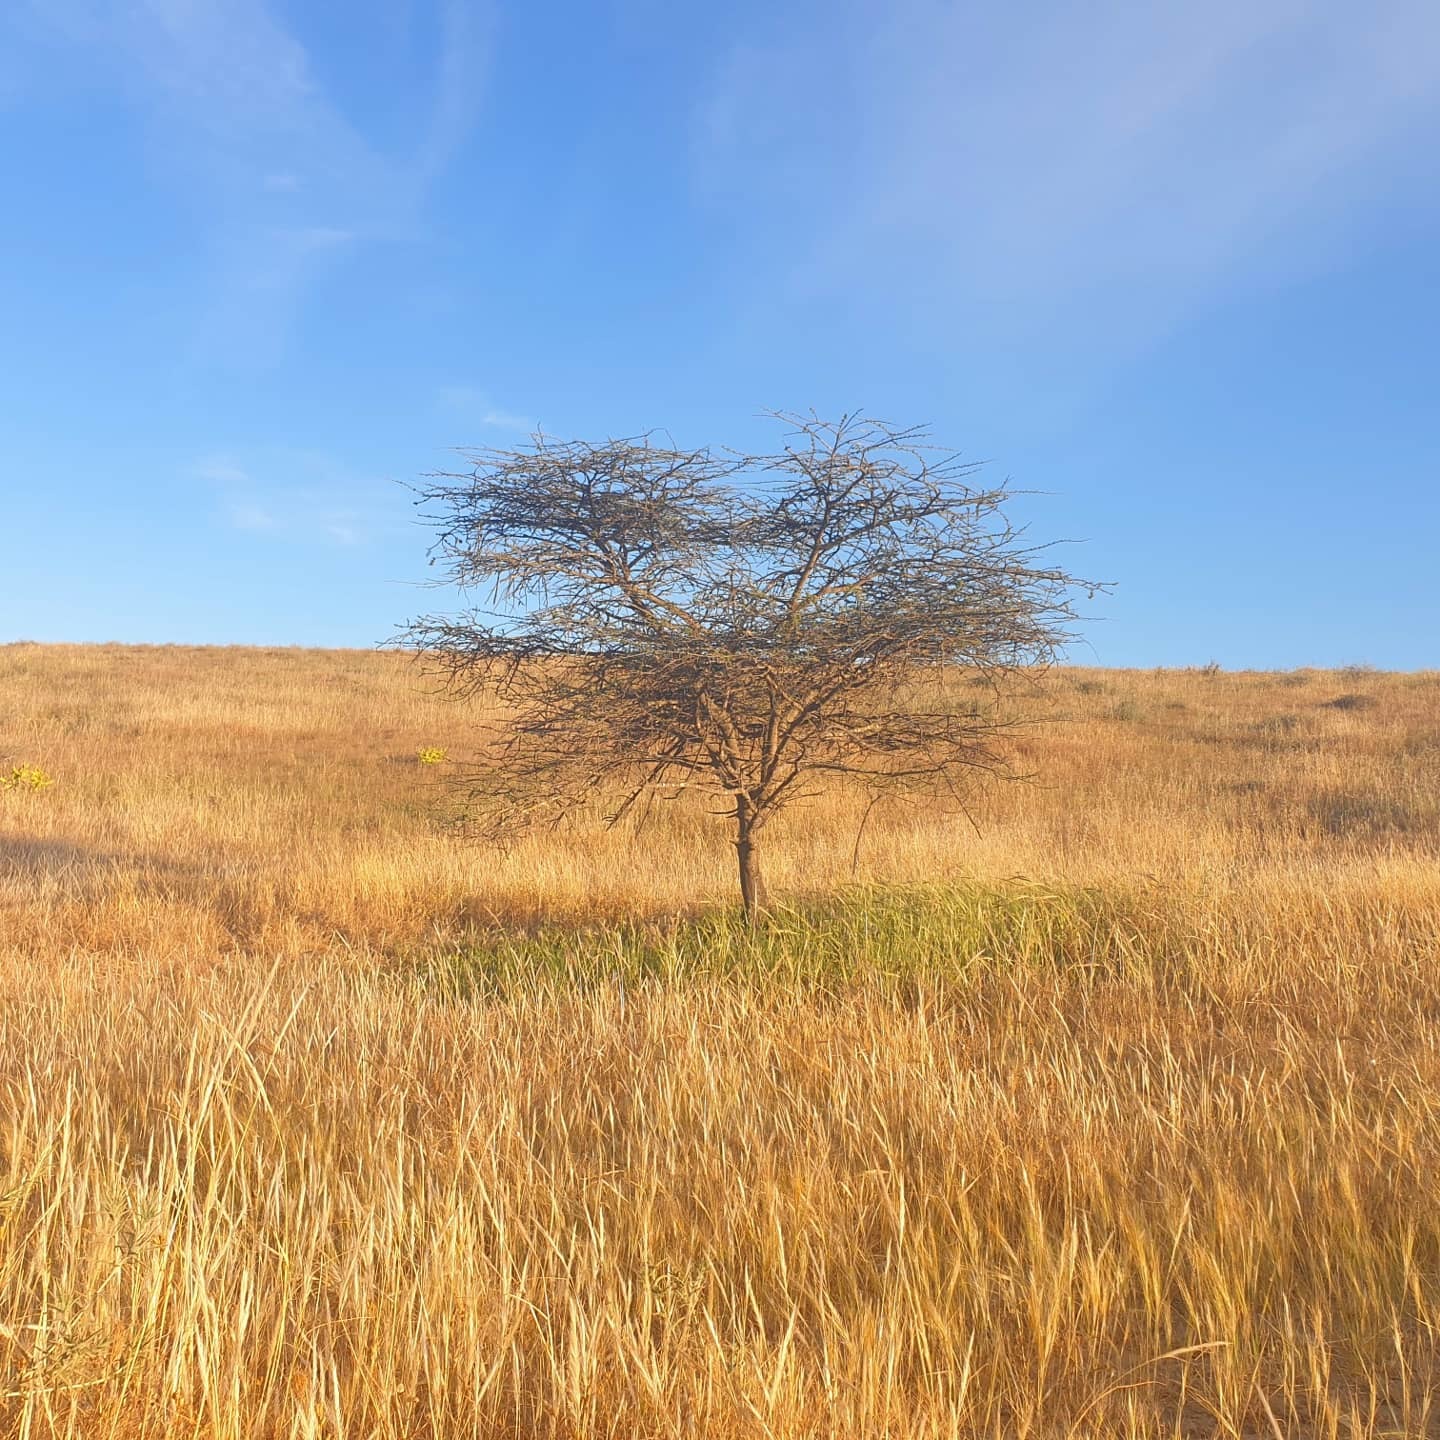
x=1112, y=1109
x=213, y=800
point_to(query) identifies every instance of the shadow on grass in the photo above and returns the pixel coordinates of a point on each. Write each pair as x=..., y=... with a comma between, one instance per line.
x=87, y=869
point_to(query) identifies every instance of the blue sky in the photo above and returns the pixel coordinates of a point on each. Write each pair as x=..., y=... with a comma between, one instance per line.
x=1176, y=266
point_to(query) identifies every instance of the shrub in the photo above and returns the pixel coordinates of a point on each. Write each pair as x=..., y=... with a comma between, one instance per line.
x=1277, y=725
x=431, y=755
x=26, y=777
x=1352, y=702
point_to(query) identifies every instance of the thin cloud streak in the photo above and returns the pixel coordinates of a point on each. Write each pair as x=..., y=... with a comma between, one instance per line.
x=475, y=407
x=245, y=515
x=1113, y=160
x=313, y=504
x=283, y=180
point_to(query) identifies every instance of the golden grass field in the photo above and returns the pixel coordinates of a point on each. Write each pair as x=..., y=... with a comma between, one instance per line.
x=1114, y=1114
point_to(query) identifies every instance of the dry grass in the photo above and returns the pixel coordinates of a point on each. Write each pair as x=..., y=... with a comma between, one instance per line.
x=1119, y=1118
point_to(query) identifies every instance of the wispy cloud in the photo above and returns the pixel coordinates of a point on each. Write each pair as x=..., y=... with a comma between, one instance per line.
x=283, y=178
x=223, y=470
x=475, y=407
x=467, y=36
x=295, y=496
x=246, y=515
x=1122, y=160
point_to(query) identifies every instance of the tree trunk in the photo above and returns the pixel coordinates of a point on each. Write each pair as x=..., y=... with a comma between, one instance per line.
x=753, y=893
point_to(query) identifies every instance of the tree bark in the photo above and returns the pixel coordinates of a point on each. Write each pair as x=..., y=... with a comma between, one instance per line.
x=753, y=894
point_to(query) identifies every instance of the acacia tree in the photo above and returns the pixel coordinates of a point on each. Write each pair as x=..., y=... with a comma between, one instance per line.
x=739, y=624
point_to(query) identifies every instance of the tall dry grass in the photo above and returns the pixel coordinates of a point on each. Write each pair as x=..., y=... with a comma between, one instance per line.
x=1118, y=1116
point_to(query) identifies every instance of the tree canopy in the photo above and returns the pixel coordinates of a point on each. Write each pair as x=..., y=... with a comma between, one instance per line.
x=661, y=618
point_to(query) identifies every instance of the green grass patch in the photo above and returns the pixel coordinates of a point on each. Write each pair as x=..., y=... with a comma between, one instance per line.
x=869, y=933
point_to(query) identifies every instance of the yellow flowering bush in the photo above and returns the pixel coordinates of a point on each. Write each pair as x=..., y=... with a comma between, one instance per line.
x=25, y=777
x=431, y=755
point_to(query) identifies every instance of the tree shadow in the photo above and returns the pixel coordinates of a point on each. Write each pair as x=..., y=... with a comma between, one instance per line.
x=87, y=869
